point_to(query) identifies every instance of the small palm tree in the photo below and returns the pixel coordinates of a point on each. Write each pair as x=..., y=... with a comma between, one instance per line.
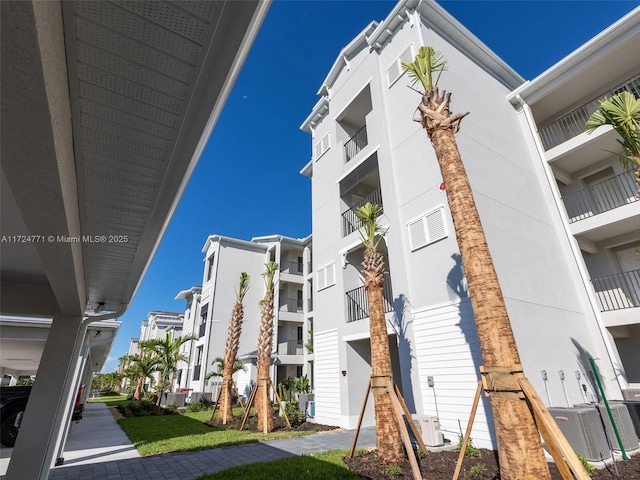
x=230, y=362
x=168, y=352
x=141, y=367
x=265, y=345
x=389, y=439
x=519, y=447
x=622, y=112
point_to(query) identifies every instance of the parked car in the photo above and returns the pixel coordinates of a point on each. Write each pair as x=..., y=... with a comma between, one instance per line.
x=13, y=401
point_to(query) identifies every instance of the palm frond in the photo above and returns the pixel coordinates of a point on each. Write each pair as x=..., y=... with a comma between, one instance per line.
x=427, y=63
x=368, y=227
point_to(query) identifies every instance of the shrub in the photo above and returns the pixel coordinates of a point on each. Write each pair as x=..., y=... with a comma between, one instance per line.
x=196, y=407
x=393, y=470
x=477, y=470
x=471, y=450
x=585, y=463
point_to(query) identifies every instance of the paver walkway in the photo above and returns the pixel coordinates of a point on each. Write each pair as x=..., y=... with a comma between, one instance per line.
x=98, y=449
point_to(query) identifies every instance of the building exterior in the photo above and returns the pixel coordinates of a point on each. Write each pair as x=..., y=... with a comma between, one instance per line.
x=225, y=259
x=190, y=326
x=367, y=148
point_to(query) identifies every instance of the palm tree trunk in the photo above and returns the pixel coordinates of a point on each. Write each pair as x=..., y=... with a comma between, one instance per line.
x=389, y=440
x=265, y=341
x=519, y=448
x=231, y=351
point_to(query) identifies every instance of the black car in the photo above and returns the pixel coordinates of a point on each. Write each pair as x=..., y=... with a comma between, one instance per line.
x=13, y=401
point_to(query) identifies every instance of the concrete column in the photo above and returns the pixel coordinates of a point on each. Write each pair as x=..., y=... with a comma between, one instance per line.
x=49, y=403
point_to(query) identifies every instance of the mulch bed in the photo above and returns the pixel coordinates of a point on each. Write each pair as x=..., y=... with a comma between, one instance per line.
x=279, y=424
x=442, y=465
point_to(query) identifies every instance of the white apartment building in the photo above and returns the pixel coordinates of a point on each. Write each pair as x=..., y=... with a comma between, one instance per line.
x=190, y=326
x=367, y=148
x=225, y=259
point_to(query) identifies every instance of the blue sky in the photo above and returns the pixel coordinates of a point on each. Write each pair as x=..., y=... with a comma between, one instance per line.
x=251, y=165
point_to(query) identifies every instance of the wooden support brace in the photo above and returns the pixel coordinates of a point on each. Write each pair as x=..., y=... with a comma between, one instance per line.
x=364, y=405
x=415, y=468
x=282, y=409
x=412, y=424
x=498, y=380
x=467, y=433
x=252, y=397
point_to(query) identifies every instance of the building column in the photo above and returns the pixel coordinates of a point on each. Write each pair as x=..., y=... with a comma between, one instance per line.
x=51, y=396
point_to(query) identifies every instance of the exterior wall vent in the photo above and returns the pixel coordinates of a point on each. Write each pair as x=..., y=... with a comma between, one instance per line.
x=427, y=229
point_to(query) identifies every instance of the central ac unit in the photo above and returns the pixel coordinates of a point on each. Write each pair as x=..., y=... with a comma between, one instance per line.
x=429, y=427
x=623, y=421
x=583, y=430
x=631, y=394
x=634, y=413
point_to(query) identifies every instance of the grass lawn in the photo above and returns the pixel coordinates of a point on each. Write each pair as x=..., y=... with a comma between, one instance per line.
x=320, y=466
x=176, y=433
x=111, y=401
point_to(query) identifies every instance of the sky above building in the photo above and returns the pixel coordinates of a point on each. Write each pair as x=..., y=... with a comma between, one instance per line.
x=247, y=183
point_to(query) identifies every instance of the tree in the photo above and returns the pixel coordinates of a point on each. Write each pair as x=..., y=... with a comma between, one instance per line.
x=265, y=345
x=168, y=354
x=389, y=440
x=229, y=363
x=142, y=366
x=622, y=112
x=519, y=447
x=220, y=372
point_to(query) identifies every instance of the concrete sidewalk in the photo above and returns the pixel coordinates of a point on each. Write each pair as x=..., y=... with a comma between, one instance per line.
x=98, y=449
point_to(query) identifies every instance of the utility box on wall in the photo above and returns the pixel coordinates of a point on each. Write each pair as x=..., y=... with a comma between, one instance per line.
x=429, y=427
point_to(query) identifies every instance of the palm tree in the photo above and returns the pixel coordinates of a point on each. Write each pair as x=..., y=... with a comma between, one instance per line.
x=168, y=353
x=265, y=344
x=141, y=366
x=622, y=112
x=229, y=362
x=389, y=441
x=220, y=372
x=519, y=447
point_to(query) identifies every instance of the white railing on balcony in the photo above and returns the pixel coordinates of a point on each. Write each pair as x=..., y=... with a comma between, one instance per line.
x=355, y=144
x=349, y=217
x=601, y=197
x=618, y=291
x=290, y=347
x=573, y=123
x=291, y=267
x=293, y=305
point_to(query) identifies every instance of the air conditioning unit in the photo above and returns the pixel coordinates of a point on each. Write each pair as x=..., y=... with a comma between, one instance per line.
x=429, y=426
x=634, y=413
x=623, y=421
x=583, y=429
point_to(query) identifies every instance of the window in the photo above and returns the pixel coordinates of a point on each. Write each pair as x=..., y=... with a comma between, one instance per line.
x=395, y=70
x=326, y=276
x=299, y=335
x=321, y=147
x=298, y=370
x=427, y=229
x=299, y=299
x=210, y=267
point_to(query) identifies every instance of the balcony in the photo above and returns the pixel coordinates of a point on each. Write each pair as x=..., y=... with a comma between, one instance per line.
x=601, y=197
x=292, y=305
x=292, y=268
x=355, y=144
x=619, y=291
x=573, y=123
x=290, y=347
x=358, y=301
x=350, y=220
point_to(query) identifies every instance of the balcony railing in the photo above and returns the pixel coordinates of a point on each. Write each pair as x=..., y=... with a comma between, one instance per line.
x=358, y=301
x=293, y=268
x=573, y=123
x=350, y=220
x=290, y=347
x=618, y=291
x=293, y=305
x=601, y=197
x=355, y=144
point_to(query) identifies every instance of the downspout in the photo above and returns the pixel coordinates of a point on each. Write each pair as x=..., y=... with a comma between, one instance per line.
x=582, y=269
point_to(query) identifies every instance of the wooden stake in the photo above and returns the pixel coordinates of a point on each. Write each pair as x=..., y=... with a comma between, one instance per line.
x=364, y=405
x=252, y=397
x=553, y=433
x=284, y=413
x=467, y=433
x=265, y=406
x=415, y=468
x=412, y=424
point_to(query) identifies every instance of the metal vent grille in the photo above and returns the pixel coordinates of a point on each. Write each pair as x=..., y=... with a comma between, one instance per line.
x=623, y=422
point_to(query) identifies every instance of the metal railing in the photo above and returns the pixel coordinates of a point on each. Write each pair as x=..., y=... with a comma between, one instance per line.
x=358, y=301
x=350, y=219
x=290, y=347
x=573, y=123
x=618, y=291
x=293, y=305
x=601, y=197
x=293, y=268
x=356, y=143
